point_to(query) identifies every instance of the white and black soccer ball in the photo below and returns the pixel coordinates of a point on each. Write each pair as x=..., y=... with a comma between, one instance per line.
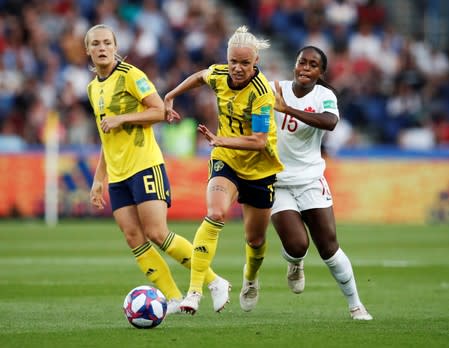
x=145, y=307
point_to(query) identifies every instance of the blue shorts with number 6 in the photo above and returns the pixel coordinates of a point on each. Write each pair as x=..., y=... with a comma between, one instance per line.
x=147, y=185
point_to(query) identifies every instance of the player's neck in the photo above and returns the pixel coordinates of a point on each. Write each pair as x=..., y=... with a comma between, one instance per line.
x=300, y=91
x=103, y=72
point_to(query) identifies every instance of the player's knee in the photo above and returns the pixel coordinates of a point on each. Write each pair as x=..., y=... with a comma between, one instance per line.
x=217, y=215
x=133, y=237
x=327, y=251
x=296, y=251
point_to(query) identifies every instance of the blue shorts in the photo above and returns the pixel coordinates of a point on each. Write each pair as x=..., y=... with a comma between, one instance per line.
x=256, y=193
x=147, y=185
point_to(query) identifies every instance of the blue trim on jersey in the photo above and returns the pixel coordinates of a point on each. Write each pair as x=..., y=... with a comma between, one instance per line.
x=260, y=123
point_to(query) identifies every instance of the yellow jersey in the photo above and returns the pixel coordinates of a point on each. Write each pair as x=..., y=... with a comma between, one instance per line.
x=236, y=108
x=129, y=148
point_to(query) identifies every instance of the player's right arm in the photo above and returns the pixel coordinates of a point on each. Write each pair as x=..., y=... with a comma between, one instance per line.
x=153, y=113
x=193, y=81
x=96, y=191
x=321, y=120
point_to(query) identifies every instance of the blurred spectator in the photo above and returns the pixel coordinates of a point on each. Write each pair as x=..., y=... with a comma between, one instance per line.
x=394, y=88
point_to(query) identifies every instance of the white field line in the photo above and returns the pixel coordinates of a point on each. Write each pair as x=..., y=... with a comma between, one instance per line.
x=228, y=260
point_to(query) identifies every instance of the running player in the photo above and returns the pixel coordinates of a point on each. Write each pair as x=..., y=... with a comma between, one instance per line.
x=305, y=108
x=244, y=161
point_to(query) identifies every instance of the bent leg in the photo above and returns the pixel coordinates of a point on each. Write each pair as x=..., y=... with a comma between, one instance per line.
x=321, y=223
x=293, y=234
x=221, y=193
x=256, y=222
x=147, y=257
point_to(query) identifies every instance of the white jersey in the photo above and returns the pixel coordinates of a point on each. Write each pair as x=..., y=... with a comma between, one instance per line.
x=299, y=145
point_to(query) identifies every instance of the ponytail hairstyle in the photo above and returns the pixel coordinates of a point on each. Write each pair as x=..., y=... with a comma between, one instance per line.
x=243, y=38
x=323, y=67
x=102, y=26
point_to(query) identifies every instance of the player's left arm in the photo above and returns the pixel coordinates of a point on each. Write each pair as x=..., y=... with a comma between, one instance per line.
x=326, y=119
x=254, y=142
x=260, y=126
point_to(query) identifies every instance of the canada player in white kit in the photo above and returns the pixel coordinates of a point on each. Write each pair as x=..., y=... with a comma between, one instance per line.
x=305, y=108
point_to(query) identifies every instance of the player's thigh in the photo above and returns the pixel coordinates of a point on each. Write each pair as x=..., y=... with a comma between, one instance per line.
x=287, y=219
x=322, y=227
x=221, y=193
x=128, y=221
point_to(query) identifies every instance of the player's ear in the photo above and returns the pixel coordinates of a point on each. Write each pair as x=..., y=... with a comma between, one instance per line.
x=257, y=59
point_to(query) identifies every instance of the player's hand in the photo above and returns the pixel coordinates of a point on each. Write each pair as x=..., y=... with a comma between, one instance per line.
x=108, y=123
x=280, y=104
x=96, y=195
x=211, y=137
x=170, y=114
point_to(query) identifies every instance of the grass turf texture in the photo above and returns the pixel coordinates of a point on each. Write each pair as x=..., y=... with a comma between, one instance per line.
x=64, y=287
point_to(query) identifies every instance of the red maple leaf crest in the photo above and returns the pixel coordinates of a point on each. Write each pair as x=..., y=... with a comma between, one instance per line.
x=309, y=109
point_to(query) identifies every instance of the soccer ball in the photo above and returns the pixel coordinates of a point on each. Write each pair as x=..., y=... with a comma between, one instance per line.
x=145, y=307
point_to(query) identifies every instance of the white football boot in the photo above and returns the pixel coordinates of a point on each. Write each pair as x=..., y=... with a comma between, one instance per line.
x=173, y=306
x=249, y=295
x=219, y=291
x=190, y=303
x=295, y=277
x=360, y=313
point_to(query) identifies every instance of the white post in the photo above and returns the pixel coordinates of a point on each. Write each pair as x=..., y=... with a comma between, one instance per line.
x=51, y=169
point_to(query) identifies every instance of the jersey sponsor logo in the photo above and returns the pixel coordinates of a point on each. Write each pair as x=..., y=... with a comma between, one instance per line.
x=218, y=166
x=143, y=85
x=329, y=104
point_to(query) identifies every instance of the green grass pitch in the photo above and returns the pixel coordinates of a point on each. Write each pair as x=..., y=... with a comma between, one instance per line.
x=64, y=287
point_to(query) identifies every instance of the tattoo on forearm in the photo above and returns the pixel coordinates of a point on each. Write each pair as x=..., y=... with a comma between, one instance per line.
x=218, y=188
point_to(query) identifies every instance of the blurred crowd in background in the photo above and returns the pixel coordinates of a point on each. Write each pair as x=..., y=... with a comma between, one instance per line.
x=393, y=88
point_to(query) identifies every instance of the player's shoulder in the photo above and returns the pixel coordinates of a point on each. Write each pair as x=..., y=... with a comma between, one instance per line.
x=325, y=91
x=284, y=84
x=126, y=67
x=92, y=82
x=261, y=84
x=219, y=69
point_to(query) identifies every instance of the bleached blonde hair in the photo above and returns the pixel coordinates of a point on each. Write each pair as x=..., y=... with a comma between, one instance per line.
x=243, y=38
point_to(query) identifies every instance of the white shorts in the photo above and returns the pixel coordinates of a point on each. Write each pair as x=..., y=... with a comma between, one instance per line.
x=302, y=197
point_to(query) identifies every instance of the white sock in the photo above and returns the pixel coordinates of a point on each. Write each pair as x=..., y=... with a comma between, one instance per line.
x=291, y=259
x=341, y=269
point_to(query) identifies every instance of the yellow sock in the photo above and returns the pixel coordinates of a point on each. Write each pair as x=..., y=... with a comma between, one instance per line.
x=181, y=249
x=204, y=247
x=254, y=259
x=156, y=270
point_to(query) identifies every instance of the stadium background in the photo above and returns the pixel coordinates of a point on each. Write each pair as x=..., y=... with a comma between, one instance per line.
x=388, y=160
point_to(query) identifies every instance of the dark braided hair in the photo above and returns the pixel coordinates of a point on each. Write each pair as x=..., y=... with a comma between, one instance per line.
x=323, y=57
